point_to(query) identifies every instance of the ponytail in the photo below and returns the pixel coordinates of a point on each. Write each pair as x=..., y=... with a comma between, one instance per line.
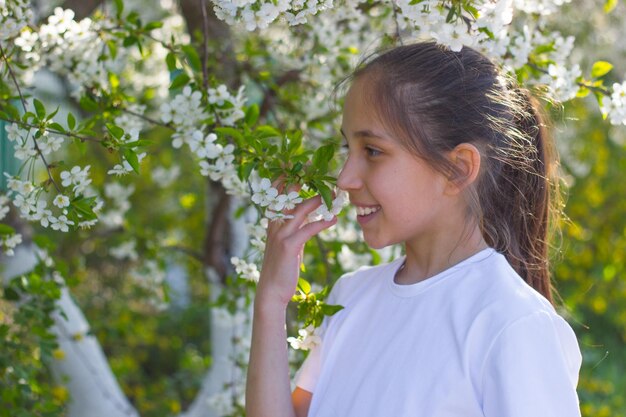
x=518, y=223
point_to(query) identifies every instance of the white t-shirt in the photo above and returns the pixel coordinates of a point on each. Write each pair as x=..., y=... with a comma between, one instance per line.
x=473, y=340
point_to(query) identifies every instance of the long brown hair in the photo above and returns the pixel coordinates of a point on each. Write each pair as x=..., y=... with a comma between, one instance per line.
x=434, y=99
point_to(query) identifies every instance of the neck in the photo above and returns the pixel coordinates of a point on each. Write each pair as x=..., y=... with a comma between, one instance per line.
x=427, y=258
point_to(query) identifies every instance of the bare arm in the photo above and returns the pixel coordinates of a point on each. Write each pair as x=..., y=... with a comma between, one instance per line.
x=268, y=389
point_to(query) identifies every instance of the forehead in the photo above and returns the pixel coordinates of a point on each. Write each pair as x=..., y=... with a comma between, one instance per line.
x=360, y=111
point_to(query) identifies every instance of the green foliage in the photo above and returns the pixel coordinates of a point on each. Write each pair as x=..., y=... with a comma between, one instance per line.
x=589, y=274
x=27, y=345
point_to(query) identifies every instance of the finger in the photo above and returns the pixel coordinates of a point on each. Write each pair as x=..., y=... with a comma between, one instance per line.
x=305, y=208
x=309, y=230
x=299, y=214
x=278, y=183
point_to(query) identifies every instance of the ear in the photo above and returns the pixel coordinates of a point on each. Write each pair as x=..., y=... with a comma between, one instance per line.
x=466, y=159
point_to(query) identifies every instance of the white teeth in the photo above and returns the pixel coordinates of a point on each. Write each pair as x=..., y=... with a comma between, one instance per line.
x=364, y=211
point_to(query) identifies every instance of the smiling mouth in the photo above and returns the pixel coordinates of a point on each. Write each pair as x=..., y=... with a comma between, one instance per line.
x=365, y=211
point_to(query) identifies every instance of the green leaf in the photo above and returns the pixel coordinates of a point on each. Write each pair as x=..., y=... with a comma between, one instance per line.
x=54, y=113
x=44, y=242
x=6, y=230
x=297, y=168
x=139, y=143
x=294, y=143
x=130, y=40
x=192, y=57
x=181, y=80
x=88, y=103
x=304, y=286
x=119, y=6
x=322, y=156
x=600, y=68
x=114, y=81
x=252, y=114
x=170, y=60
x=11, y=294
x=329, y=309
x=326, y=193
x=71, y=121
x=230, y=131
x=582, y=92
x=84, y=206
x=132, y=159
x=39, y=108
x=112, y=48
x=609, y=5
x=133, y=17
x=153, y=25
x=56, y=127
x=245, y=169
x=81, y=145
x=116, y=131
x=265, y=131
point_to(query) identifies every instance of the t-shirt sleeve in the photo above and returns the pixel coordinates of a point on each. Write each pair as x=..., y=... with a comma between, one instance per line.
x=531, y=369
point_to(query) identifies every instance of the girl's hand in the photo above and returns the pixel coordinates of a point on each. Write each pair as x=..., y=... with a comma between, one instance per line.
x=283, y=253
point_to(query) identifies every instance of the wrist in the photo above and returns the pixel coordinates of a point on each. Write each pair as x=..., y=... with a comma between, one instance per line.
x=267, y=302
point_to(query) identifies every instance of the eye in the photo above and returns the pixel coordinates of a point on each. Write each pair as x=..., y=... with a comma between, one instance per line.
x=372, y=152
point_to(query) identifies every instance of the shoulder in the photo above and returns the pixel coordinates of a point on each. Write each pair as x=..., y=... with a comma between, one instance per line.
x=503, y=293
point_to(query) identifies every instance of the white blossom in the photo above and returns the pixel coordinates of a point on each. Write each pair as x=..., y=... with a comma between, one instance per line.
x=562, y=81
x=125, y=250
x=61, y=201
x=245, y=270
x=4, y=206
x=185, y=111
x=78, y=177
x=263, y=192
x=60, y=223
x=614, y=106
x=323, y=213
x=165, y=176
x=8, y=243
x=308, y=338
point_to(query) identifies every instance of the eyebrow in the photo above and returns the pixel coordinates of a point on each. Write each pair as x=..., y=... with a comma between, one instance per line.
x=365, y=133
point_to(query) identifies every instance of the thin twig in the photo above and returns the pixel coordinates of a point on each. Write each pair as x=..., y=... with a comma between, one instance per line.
x=17, y=85
x=579, y=83
x=56, y=132
x=395, y=19
x=146, y=118
x=43, y=158
x=23, y=100
x=187, y=251
x=205, y=47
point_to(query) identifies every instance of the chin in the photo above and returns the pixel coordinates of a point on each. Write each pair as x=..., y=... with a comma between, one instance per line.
x=377, y=244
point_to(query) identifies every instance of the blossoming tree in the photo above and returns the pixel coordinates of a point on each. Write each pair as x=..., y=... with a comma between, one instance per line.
x=213, y=99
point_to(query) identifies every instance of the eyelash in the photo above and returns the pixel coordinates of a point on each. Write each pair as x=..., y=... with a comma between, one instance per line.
x=371, y=152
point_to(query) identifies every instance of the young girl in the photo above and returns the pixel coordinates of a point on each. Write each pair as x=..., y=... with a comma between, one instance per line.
x=447, y=157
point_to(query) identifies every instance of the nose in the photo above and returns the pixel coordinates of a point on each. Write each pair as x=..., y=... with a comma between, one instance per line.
x=349, y=178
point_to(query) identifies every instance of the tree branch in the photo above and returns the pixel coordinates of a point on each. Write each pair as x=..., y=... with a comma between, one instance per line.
x=216, y=237
x=12, y=75
x=205, y=46
x=56, y=132
x=82, y=8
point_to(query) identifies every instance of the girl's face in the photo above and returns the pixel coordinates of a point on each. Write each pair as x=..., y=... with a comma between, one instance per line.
x=398, y=197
